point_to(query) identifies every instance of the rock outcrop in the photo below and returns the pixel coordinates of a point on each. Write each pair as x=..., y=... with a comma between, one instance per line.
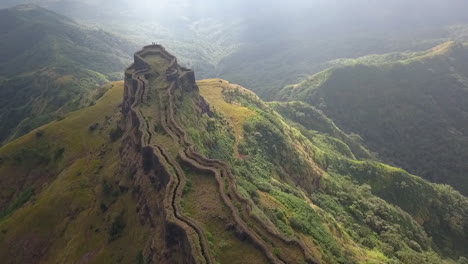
x=153, y=85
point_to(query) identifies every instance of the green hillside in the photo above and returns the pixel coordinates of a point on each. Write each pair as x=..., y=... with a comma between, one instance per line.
x=48, y=66
x=231, y=178
x=358, y=195
x=62, y=196
x=409, y=108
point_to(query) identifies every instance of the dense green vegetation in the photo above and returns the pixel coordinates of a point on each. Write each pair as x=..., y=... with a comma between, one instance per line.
x=425, y=202
x=358, y=211
x=50, y=65
x=313, y=119
x=411, y=110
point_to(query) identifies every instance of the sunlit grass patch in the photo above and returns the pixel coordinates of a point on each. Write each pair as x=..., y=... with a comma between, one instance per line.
x=212, y=91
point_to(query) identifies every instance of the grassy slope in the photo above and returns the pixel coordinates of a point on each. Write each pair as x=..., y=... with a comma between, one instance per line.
x=68, y=206
x=411, y=110
x=355, y=216
x=238, y=114
x=45, y=66
x=74, y=211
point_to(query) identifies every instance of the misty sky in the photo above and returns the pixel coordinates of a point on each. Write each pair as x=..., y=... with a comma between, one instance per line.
x=359, y=11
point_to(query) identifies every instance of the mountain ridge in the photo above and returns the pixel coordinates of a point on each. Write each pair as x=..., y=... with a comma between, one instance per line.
x=45, y=69
x=145, y=169
x=196, y=160
x=403, y=105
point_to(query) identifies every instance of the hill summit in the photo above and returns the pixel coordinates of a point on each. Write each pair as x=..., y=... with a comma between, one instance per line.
x=156, y=79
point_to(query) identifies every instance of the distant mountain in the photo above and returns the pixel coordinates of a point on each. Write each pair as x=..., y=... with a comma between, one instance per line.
x=410, y=108
x=49, y=64
x=265, y=45
x=281, y=56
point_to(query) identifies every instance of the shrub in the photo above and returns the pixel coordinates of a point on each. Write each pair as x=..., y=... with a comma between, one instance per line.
x=103, y=207
x=264, y=187
x=139, y=258
x=298, y=225
x=39, y=133
x=277, y=251
x=107, y=188
x=188, y=186
x=59, y=153
x=93, y=127
x=18, y=202
x=115, y=134
x=118, y=225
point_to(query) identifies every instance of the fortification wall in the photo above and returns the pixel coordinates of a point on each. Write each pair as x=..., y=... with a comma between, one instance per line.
x=160, y=180
x=169, y=242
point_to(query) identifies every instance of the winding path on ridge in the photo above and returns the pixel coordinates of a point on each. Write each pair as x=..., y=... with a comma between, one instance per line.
x=251, y=226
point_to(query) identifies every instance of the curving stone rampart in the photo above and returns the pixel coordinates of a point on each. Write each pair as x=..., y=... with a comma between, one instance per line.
x=156, y=161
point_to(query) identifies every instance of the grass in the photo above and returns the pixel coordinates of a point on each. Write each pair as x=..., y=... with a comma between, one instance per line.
x=64, y=214
x=201, y=199
x=203, y=203
x=353, y=214
x=70, y=134
x=212, y=90
x=18, y=202
x=157, y=62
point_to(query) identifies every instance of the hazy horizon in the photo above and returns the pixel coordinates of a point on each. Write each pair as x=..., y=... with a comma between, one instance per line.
x=321, y=12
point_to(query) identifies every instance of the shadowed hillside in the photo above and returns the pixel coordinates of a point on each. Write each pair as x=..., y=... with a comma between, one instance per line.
x=409, y=108
x=50, y=65
x=228, y=39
